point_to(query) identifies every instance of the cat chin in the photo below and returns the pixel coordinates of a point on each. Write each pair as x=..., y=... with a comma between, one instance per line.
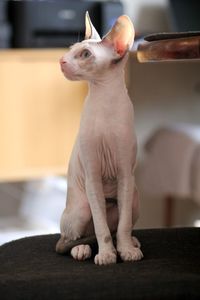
x=69, y=73
x=72, y=77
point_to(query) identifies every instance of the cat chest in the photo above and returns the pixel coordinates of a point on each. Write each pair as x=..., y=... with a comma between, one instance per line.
x=107, y=158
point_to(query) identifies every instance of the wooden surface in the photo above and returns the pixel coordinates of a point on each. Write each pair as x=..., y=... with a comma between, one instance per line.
x=39, y=114
x=184, y=48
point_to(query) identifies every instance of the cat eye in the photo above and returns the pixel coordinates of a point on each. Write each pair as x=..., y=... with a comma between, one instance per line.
x=85, y=53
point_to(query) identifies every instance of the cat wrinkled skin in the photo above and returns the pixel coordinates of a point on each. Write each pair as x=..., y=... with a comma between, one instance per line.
x=104, y=155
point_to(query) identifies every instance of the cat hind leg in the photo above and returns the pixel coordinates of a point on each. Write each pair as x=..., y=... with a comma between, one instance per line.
x=81, y=252
x=75, y=221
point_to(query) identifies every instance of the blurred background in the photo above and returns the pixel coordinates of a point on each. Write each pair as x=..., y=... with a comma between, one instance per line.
x=40, y=112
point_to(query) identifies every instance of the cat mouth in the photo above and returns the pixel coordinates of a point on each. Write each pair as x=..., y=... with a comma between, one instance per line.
x=69, y=74
x=66, y=71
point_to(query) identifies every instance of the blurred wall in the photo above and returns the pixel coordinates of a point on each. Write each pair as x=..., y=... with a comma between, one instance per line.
x=147, y=15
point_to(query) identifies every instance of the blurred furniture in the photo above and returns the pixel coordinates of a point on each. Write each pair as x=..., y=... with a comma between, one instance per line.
x=63, y=24
x=184, y=15
x=170, y=46
x=30, y=269
x=168, y=155
x=39, y=115
x=5, y=30
x=171, y=167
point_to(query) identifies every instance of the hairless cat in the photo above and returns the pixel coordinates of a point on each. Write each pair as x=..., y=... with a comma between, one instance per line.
x=102, y=162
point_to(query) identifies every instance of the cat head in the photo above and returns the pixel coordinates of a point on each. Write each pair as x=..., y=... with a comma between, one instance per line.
x=91, y=58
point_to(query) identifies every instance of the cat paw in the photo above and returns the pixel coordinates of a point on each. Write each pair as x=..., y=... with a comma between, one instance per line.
x=130, y=253
x=81, y=252
x=105, y=258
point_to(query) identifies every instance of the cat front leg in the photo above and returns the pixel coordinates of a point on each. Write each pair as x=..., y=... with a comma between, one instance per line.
x=128, y=247
x=106, y=252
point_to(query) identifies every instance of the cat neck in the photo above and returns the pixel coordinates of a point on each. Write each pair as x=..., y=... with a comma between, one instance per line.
x=109, y=84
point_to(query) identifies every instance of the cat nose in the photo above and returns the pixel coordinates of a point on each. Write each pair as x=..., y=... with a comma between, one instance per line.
x=62, y=61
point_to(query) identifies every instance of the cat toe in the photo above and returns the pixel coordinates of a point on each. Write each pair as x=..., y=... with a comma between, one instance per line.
x=81, y=252
x=136, y=243
x=105, y=258
x=131, y=254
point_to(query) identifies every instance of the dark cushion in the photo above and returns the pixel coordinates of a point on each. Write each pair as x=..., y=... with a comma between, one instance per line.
x=30, y=269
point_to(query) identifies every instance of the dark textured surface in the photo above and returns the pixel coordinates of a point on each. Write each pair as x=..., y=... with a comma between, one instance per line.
x=30, y=269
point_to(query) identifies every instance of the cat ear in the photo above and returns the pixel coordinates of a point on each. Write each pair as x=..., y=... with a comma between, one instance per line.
x=90, y=31
x=121, y=36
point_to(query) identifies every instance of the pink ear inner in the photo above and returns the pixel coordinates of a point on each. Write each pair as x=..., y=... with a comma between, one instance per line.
x=121, y=36
x=120, y=47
